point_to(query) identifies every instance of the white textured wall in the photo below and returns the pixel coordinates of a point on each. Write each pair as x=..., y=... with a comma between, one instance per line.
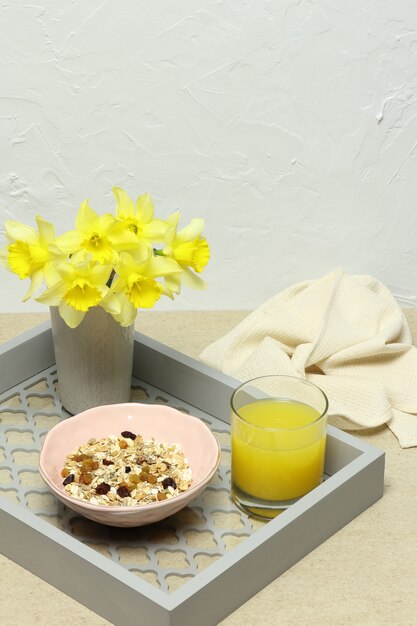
x=290, y=126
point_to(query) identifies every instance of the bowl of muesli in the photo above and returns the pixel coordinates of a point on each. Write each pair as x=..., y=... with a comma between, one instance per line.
x=129, y=464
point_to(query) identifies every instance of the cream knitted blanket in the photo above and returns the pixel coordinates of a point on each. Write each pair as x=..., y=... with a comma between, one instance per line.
x=344, y=333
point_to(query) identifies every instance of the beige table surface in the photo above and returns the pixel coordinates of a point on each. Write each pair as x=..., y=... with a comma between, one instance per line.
x=366, y=574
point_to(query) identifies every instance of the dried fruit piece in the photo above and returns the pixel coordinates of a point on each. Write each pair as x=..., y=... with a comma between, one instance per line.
x=88, y=465
x=128, y=469
x=103, y=488
x=169, y=482
x=161, y=496
x=128, y=435
x=152, y=479
x=134, y=479
x=80, y=457
x=65, y=472
x=86, y=479
x=108, y=462
x=69, y=479
x=123, y=491
x=122, y=444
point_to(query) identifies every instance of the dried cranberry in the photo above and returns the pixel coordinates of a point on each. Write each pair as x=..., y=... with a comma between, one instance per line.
x=128, y=469
x=128, y=435
x=107, y=462
x=69, y=479
x=169, y=482
x=102, y=489
x=123, y=491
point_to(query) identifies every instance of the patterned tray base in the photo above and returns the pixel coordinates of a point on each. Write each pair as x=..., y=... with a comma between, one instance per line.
x=167, y=554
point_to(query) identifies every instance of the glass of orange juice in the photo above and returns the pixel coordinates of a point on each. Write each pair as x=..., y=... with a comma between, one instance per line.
x=278, y=442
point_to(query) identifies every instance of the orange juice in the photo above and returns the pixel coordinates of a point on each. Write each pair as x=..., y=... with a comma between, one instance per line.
x=277, y=449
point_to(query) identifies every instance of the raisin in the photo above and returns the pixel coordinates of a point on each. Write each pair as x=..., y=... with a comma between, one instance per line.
x=169, y=482
x=107, y=462
x=152, y=479
x=128, y=469
x=161, y=496
x=103, y=488
x=128, y=435
x=65, y=472
x=134, y=479
x=69, y=479
x=122, y=444
x=86, y=479
x=144, y=477
x=88, y=464
x=123, y=491
x=80, y=457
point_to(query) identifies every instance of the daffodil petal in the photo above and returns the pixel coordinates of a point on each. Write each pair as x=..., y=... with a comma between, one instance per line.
x=155, y=230
x=170, y=235
x=56, y=252
x=141, y=254
x=192, y=231
x=128, y=312
x=106, y=221
x=126, y=265
x=87, y=219
x=20, y=232
x=36, y=281
x=70, y=316
x=53, y=296
x=173, y=282
x=124, y=204
x=70, y=242
x=100, y=273
x=144, y=208
x=111, y=303
x=51, y=274
x=66, y=270
x=122, y=238
x=193, y=281
x=162, y=266
x=174, y=218
x=46, y=230
x=168, y=292
x=4, y=255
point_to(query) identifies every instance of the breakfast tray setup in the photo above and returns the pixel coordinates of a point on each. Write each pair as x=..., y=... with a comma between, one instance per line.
x=194, y=567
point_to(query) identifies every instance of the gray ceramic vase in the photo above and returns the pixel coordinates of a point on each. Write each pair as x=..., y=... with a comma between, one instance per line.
x=94, y=361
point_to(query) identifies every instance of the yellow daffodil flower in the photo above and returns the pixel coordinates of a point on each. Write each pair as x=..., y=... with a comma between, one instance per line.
x=100, y=236
x=135, y=284
x=189, y=249
x=81, y=285
x=31, y=254
x=139, y=219
x=108, y=261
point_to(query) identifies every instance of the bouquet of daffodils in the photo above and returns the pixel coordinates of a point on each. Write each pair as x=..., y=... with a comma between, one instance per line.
x=109, y=260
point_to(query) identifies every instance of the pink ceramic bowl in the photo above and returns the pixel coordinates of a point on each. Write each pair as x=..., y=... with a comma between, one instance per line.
x=149, y=420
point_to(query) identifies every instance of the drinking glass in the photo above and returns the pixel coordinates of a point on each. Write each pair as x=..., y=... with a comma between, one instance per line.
x=279, y=428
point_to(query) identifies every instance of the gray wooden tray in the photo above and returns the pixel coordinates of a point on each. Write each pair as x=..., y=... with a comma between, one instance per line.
x=193, y=568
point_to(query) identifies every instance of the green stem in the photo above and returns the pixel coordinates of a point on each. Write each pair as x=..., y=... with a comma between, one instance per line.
x=112, y=275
